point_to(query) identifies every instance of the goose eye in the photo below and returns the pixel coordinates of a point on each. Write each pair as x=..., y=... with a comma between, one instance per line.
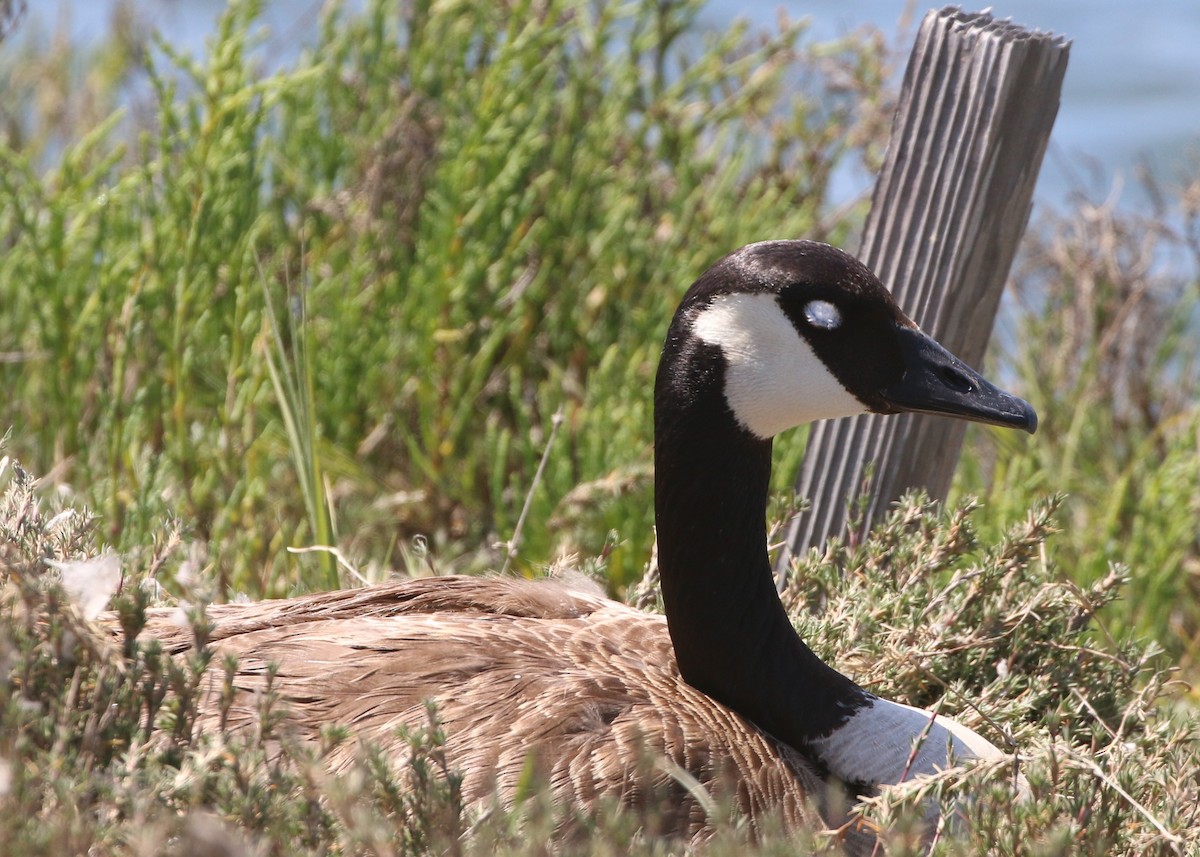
x=822, y=314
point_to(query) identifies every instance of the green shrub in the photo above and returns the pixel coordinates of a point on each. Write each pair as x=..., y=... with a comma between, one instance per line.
x=488, y=213
x=1102, y=336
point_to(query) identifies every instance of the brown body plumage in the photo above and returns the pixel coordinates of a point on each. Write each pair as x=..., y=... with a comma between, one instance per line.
x=587, y=684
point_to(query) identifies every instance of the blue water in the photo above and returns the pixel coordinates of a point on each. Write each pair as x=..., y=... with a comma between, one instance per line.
x=1131, y=96
x=1132, y=91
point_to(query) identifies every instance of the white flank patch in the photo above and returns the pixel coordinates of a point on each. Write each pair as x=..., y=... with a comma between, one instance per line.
x=774, y=379
x=91, y=582
x=875, y=744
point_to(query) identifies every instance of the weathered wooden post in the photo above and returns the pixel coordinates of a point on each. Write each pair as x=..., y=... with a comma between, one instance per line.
x=974, y=117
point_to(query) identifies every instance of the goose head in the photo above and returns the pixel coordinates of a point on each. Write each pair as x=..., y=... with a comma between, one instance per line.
x=789, y=332
x=778, y=334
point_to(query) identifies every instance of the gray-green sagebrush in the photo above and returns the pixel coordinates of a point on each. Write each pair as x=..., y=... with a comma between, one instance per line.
x=99, y=751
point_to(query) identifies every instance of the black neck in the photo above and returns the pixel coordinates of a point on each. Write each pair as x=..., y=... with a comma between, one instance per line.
x=732, y=637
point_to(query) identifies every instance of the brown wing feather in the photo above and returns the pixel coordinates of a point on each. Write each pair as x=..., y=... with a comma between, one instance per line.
x=587, y=685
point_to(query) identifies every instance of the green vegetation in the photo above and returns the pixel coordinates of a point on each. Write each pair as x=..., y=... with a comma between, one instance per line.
x=1103, y=338
x=342, y=302
x=485, y=225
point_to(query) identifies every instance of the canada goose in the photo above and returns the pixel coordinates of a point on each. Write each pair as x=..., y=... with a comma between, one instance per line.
x=776, y=334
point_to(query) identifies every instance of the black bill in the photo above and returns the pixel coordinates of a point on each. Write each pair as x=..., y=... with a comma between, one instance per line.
x=937, y=382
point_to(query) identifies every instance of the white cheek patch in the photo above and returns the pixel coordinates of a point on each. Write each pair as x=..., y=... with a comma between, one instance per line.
x=874, y=745
x=773, y=380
